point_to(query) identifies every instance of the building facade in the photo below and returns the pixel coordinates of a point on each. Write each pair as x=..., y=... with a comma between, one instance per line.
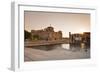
x=46, y=34
x=78, y=39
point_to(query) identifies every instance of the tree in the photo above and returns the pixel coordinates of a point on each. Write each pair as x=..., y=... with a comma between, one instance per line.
x=27, y=35
x=36, y=37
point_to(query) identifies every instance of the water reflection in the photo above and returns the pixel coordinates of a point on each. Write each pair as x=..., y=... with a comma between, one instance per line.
x=48, y=47
x=70, y=47
x=66, y=46
x=74, y=47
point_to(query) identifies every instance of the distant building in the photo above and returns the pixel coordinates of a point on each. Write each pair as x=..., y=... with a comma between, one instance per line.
x=86, y=38
x=75, y=38
x=46, y=34
x=78, y=39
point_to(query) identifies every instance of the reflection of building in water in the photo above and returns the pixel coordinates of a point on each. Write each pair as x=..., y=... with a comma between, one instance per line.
x=46, y=34
x=78, y=40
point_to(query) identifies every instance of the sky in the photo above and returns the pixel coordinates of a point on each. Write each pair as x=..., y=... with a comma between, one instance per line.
x=65, y=22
